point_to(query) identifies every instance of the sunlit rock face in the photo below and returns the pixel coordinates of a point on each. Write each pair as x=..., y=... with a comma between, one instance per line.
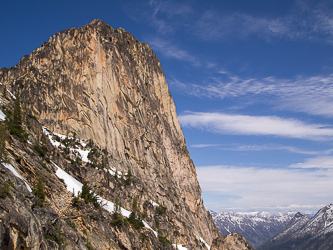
x=105, y=85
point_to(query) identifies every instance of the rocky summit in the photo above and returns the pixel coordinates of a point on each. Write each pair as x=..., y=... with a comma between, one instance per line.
x=92, y=153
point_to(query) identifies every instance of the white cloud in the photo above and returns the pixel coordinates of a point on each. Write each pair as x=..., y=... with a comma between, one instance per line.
x=171, y=9
x=272, y=146
x=313, y=95
x=164, y=8
x=263, y=147
x=268, y=188
x=216, y=26
x=164, y=16
x=308, y=209
x=172, y=51
x=314, y=23
x=255, y=125
x=323, y=162
x=204, y=145
x=303, y=21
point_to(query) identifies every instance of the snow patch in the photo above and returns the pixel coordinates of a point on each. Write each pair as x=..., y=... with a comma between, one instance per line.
x=83, y=153
x=11, y=168
x=77, y=150
x=227, y=230
x=109, y=206
x=147, y=226
x=72, y=184
x=2, y=115
x=75, y=187
x=179, y=247
x=154, y=203
x=49, y=135
x=113, y=172
x=11, y=94
x=202, y=240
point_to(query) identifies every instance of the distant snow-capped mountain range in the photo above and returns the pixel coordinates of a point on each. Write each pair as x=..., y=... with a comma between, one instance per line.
x=256, y=227
x=303, y=232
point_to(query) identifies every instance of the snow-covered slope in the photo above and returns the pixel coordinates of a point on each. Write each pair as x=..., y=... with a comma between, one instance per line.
x=305, y=233
x=256, y=227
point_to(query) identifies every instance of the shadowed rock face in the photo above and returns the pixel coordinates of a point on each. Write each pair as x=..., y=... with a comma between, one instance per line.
x=106, y=86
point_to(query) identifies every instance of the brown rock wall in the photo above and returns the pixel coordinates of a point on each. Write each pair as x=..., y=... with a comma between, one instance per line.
x=105, y=85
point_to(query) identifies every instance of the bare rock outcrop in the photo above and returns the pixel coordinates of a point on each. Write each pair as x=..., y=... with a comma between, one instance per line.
x=102, y=84
x=233, y=241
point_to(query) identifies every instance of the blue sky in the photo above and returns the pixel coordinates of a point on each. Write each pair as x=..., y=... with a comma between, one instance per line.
x=252, y=82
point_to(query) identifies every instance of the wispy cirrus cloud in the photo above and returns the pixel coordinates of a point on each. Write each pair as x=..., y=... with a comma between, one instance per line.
x=323, y=162
x=165, y=13
x=271, y=189
x=223, y=123
x=312, y=95
x=271, y=146
x=241, y=25
x=308, y=209
x=172, y=51
x=164, y=16
x=204, y=145
x=264, y=147
x=170, y=8
x=304, y=21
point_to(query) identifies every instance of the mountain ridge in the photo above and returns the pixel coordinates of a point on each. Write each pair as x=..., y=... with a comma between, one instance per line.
x=303, y=232
x=100, y=85
x=257, y=227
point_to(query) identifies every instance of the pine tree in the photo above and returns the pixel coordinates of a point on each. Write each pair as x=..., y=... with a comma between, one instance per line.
x=3, y=138
x=135, y=204
x=85, y=192
x=17, y=114
x=135, y=218
x=89, y=196
x=14, y=120
x=128, y=178
x=39, y=191
x=4, y=92
x=117, y=208
x=117, y=218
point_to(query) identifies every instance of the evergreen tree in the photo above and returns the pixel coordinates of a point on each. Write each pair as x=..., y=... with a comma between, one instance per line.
x=39, y=191
x=117, y=218
x=14, y=120
x=88, y=195
x=3, y=138
x=4, y=92
x=117, y=208
x=135, y=204
x=128, y=177
x=17, y=114
x=135, y=218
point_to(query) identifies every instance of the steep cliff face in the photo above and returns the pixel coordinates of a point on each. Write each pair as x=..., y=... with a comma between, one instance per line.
x=98, y=83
